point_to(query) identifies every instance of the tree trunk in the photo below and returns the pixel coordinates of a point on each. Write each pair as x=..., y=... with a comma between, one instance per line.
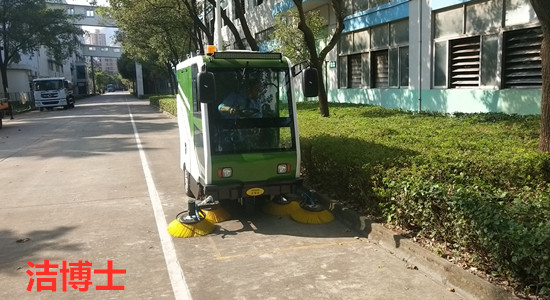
x=192, y=9
x=4, y=73
x=544, y=138
x=323, y=97
x=317, y=60
x=542, y=9
x=244, y=25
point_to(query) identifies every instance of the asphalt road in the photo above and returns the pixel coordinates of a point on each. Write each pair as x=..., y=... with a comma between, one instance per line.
x=96, y=185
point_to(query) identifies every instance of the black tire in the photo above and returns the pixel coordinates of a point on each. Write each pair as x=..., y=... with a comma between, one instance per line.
x=187, y=182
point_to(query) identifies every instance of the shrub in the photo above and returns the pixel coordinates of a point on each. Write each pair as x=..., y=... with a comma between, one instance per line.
x=473, y=183
x=166, y=103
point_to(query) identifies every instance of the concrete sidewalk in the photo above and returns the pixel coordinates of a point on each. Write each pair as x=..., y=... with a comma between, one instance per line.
x=436, y=267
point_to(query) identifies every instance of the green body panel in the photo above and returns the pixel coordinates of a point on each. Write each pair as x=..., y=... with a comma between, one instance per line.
x=185, y=79
x=253, y=167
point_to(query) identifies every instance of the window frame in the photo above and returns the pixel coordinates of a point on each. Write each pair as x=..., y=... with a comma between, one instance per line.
x=385, y=43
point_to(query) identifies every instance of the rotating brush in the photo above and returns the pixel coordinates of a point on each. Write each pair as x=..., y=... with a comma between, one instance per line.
x=212, y=211
x=280, y=206
x=311, y=212
x=190, y=224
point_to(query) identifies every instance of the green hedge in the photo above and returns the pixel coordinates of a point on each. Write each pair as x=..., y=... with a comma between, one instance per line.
x=166, y=103
x=473, y=184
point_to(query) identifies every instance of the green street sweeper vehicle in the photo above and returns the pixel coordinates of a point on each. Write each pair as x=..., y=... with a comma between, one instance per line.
x=238, y=126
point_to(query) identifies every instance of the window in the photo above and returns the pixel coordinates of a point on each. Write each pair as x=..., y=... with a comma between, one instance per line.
x=464, y=62
x=377, y=57
x=81, y=72
x=342, y=71
x=380, y=67
x=196, y=103
x=353, y=6
x=70, y=11
x=404, y=67
x=264, y=35
x=354, y=71
x=90, y=13
x=521, y=58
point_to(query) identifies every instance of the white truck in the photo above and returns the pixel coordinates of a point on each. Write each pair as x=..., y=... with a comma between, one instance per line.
x=53, y=92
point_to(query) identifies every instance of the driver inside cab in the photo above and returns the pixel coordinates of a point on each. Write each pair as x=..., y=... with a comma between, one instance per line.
x=240, y=104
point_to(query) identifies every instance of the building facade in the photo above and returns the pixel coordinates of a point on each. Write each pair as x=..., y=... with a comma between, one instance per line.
x=444, y=56
x=106, y=64
x=74, y=68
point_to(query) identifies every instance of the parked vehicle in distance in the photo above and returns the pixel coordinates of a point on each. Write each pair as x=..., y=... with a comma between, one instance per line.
x=110, y=88
x=53, y=92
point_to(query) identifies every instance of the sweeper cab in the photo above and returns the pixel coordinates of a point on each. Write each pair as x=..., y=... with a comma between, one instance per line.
x=238, y=126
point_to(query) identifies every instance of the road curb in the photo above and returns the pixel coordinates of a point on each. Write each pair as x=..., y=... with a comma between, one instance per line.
x=461, y=281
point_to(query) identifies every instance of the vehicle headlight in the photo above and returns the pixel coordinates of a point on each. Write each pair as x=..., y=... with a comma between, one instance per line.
x=225, y=172
x=283, y=168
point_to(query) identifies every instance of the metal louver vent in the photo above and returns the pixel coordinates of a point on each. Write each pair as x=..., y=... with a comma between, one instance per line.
x=354, y=71
x=465, y=62
x=380, y=69
x=522, y=61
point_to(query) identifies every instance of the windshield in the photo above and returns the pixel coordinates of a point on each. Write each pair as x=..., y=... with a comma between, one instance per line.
x=252, y=112
x=48, y=85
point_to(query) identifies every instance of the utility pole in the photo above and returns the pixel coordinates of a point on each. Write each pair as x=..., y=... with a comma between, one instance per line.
x=218, y=42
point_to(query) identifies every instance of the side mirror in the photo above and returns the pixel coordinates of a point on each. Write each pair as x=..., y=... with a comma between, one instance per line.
x=310, y=83
x=206, y=87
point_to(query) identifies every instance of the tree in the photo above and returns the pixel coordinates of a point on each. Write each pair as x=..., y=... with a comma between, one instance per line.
x=286, y=31
x=238, y=4
x=152, y=26
x=157, y=32
x=26, y=25
x=127, y=67
x=542, y=9
x=316, y=58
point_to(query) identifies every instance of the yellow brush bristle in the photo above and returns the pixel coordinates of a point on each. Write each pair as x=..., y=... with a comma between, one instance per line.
x=312, y=217
x=216, y=215
x=279, y=210
x=183, y=230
